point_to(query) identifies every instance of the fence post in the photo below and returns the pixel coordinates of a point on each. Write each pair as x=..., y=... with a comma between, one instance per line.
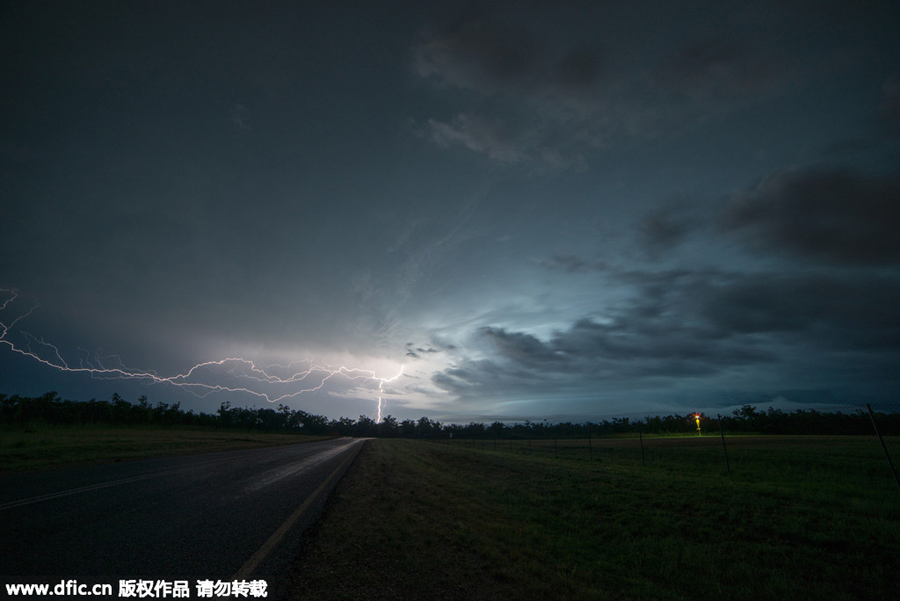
x=883, y=446
x=641, y=436
x=724, y=448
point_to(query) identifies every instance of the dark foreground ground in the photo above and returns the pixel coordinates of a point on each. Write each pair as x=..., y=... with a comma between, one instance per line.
x=797, y=518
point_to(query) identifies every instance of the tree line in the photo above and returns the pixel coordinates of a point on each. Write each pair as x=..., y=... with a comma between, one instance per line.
x=51, y=409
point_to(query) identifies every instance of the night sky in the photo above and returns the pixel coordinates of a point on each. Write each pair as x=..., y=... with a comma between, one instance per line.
x=561, y=210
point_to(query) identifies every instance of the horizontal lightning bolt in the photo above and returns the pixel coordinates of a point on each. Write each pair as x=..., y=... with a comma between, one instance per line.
x=200, y=379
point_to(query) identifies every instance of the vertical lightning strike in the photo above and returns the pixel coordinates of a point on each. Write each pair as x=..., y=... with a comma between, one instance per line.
x=381, y=383
x=243, y=375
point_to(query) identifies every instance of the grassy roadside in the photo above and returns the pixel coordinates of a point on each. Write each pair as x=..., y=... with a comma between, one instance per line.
x=812, y=518
x=47, y=446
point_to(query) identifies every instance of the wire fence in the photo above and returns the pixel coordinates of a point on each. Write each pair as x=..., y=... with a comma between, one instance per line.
x=857, y=451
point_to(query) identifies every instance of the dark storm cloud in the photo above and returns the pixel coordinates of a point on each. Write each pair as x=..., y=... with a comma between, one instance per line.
x=826, y=308
x=850, y=312
x=484, y=380
x=683, y=324
x=481, y=54
x=521, y=348
x=719, y=66
x=478, y=53
x=551, y=98
x=416, y=352
x=829, y=215
x=522, y=75
x=663, y=229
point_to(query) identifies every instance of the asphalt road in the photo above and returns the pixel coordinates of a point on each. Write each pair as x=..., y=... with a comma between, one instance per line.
x=228, y=515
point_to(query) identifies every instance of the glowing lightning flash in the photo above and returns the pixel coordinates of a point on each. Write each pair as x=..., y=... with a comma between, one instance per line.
x=381, y=383
x=242, y=375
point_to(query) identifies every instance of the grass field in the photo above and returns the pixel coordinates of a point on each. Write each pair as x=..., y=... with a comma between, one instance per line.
x=798, y=518
x=47, y=446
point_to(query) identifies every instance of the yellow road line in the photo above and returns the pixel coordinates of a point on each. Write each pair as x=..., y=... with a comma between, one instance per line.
x=253, y=562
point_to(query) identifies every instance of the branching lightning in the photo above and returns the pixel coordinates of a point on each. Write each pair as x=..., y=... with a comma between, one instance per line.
x=231, y=374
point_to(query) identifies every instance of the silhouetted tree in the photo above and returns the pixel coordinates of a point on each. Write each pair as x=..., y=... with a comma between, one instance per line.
x=388, y=427
x=365, y=426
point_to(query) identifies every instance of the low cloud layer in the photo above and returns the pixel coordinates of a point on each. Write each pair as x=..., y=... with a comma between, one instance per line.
x=823, y=215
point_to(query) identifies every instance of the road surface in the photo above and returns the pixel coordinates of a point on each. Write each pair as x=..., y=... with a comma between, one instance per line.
x=216, y=516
